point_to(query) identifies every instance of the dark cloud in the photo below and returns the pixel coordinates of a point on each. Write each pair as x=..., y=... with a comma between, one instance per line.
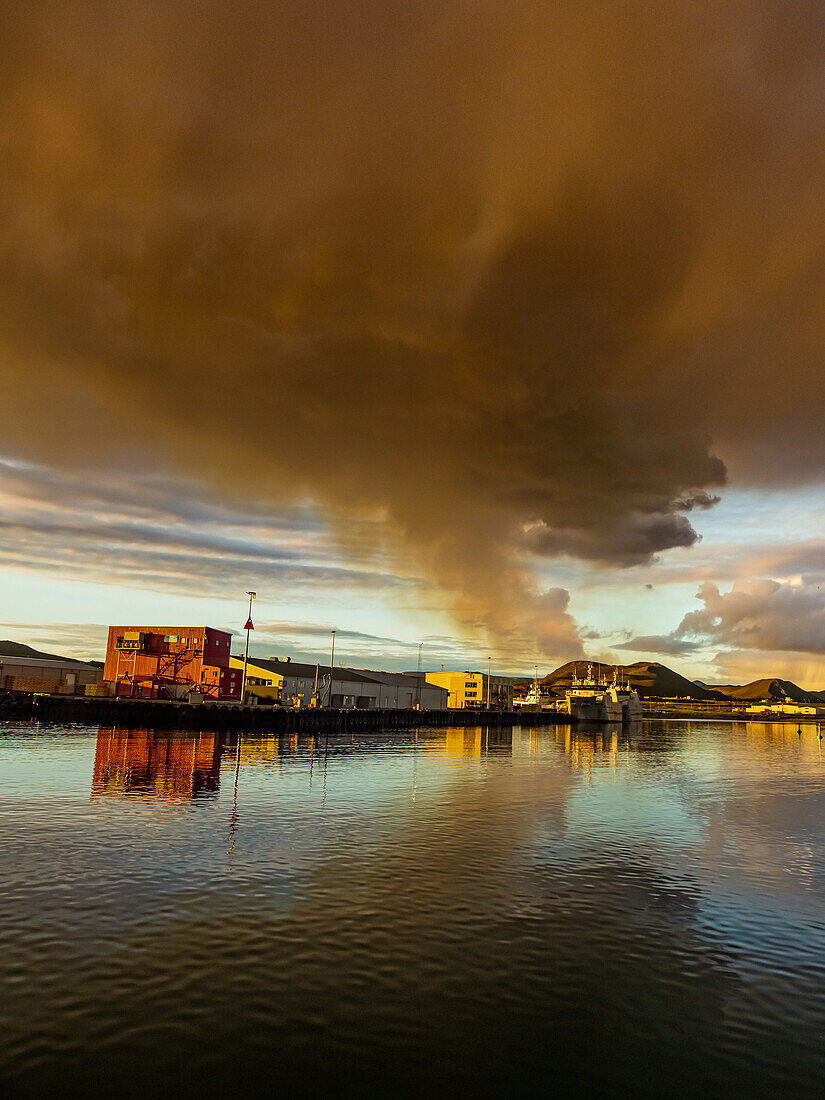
x=633, y=541
x=468, y=269
x=696, y=500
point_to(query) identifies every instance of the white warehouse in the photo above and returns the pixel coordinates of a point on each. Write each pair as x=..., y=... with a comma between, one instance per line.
x=292, y=683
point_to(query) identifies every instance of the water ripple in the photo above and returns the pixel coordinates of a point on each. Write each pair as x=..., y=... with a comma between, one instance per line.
x=470, y=910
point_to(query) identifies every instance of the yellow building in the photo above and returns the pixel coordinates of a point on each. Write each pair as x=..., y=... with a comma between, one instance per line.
x=470, y=690
x=261, y=681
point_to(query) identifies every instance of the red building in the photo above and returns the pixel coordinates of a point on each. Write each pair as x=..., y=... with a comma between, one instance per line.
x=171, y=662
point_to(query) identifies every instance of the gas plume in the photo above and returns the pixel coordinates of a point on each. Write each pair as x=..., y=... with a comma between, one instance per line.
x=522, y=279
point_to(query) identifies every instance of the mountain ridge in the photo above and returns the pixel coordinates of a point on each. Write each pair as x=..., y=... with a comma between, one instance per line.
x=774, y=689
x=653, y=680
x=8, y=648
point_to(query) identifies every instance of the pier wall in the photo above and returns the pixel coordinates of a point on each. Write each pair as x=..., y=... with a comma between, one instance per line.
x=167, y=714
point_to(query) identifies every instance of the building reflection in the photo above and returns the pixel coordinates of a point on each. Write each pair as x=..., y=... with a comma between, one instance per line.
x=582, y=742
x=470, y=742
x=263, y=749
x=801, y=738
x=179, y=766
x=586, y=742
x=168, y=766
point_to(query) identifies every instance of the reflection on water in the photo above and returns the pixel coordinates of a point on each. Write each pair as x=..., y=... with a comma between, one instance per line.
x=614, y=909
x=168, y=766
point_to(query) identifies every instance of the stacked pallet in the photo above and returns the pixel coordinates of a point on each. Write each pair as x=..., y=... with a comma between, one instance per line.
x=35, y=683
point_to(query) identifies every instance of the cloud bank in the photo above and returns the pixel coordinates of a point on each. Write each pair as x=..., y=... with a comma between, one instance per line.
x=515, y=279
x=765, y=615
x=146, y=532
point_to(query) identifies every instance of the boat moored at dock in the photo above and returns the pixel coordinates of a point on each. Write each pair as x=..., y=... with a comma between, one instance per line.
x=591, y=700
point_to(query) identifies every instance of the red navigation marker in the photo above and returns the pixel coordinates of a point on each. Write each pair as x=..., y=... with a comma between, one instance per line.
x=249, y=625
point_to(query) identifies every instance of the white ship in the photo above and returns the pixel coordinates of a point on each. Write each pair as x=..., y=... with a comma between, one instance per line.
x=590, y=700
x=535, y=698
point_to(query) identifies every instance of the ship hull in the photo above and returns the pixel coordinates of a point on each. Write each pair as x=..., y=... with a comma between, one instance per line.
x=631, y=711
x=594, y=710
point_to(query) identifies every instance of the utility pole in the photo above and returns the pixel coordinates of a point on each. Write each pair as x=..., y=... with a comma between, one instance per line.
x=489, y=659
x=418, y=694
x=331, y=667
x=248, y=627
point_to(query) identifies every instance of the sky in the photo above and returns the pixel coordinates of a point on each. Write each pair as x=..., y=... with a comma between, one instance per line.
x=493, y=327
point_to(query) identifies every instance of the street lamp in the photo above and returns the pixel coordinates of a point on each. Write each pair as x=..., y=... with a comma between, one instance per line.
x=331, y=667
x=248, y=627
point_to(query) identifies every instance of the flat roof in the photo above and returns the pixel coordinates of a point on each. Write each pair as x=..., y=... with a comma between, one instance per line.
x=175, y=626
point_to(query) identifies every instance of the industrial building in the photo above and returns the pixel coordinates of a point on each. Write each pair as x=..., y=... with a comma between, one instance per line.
x=48, y=674
x=171, y=662
x=404, y=691
x=468, y=690
x=768, y=707
x=293, y=684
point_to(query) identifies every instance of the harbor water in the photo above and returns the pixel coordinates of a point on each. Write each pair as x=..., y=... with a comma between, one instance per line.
x=465, y=911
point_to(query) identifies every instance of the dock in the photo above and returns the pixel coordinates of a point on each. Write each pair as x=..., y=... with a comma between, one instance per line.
x=231, y=717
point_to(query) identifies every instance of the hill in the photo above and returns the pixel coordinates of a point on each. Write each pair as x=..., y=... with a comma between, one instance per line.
x=649, y=678
x=656, y=681
x=776, y=691
x=18, y=649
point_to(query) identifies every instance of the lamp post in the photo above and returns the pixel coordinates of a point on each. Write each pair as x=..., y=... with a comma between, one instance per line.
x=489, y=659
x=331, y=667
x=248, y=627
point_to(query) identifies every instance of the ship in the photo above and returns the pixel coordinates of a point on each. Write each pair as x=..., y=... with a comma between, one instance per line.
x=536, y=699
x=591, y=700
x=629, y=699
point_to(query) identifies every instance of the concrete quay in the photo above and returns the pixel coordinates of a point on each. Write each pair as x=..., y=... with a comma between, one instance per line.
x=223, y=717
